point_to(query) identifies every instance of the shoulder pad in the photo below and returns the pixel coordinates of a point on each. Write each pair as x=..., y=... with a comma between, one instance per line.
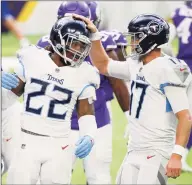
x=107, y=41
x=92, y=74
x=180, y=68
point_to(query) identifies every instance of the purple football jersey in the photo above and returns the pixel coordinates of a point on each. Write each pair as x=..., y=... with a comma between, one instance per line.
x=107, y=41
x=118, y=37
x=108, y=44
x=182, y=19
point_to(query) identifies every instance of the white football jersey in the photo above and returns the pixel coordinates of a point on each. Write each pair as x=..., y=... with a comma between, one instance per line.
x=152, y=122
x=51, y=92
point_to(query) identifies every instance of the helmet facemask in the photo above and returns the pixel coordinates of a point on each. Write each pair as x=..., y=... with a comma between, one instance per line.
x=133, y=48
x=73, y=48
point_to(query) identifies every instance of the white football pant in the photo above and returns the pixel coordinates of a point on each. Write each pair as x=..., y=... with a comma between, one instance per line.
x=38, y=157
x=11, y=129
x=146, y=167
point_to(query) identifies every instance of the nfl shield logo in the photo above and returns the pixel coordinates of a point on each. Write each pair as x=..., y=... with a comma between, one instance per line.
x=23, y=146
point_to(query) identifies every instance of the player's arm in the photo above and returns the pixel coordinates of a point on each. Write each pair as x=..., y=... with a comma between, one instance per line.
x=87, y=127
x=86, y=116
x=99, y=57
x=119, y=87
x=178, y=100
x=85, y=111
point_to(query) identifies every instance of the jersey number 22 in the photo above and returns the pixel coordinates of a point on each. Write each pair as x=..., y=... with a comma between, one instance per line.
x=52, y=103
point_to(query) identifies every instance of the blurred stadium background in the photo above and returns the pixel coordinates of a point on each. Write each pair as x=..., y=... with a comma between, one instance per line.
x=35, y=18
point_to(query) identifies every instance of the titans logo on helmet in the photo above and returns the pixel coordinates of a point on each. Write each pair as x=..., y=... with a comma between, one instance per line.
x=154, y=27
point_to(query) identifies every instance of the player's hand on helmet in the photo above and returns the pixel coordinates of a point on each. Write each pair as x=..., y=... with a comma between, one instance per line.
x=9, y=81
x=84, y=146
x=174, y=165
x=87, y=21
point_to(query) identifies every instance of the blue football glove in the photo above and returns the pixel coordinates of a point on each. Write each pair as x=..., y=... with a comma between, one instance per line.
x=84, y=146
x=9, y=81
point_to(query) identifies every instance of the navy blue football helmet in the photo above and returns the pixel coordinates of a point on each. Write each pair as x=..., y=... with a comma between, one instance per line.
x=70, y=7
x=189, y=4
x=69, y=38
x=145, y=33
x=95, y=12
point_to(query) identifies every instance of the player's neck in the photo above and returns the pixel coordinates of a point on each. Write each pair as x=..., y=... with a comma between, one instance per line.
x=151, y=56
x=56, y=59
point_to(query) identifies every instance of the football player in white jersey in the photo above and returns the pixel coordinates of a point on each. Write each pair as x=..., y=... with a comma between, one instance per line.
x=160, y=119
x=54, y=83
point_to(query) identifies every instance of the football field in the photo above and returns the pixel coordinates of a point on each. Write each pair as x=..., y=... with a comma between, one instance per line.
x=9, y=47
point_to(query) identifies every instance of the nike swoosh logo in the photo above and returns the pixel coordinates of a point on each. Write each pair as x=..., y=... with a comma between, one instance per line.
x=7, y=140
x=182, y=69
x=149, y=157
x=64, y=147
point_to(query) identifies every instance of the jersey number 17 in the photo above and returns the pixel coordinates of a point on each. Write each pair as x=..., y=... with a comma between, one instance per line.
x=143, y=87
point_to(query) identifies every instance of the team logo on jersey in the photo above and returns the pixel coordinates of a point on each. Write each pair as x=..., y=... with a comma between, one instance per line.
x=142, y=78
x=23, y=146
x=52, y=78
x=154, y=28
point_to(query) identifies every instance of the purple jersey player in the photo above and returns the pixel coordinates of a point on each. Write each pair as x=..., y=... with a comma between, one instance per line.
x=120, y=90
x=108, y=44
x=111, y=84
x=182, y=20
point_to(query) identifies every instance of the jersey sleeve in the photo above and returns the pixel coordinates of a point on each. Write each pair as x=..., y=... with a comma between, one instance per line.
x=189, y=95
x=91, y=85
x=174, y=86
x=28, y=58
x=119, y=70
x=43, y=42
x=107, y=41
x=22, y=57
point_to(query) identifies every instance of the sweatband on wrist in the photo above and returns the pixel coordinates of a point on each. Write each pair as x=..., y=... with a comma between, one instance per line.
x=95, y=36
x=87, y=126
x=178, y=149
